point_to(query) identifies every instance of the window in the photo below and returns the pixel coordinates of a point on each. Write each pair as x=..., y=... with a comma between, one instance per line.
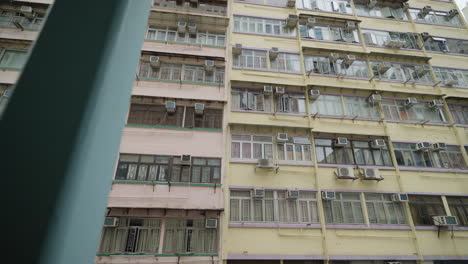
x=382, y=10
x=450, y=158
x=355, y=153
x=13, y=59
x=335, y=6
x=189, y=236
x=452, y=77
x=402, y=73
x=459, y=113
x=381, y=38
x=274, y=207
x=170, y=34
x=345, y=209
x=252, y=59
x=295, y=149
x=290, y=103
x=184, y=116
x=330, y=33
x=168, y=169
x=424, y=207
x=360, y=107
x=251, y=147
x=132, y=235
x=323, y=65
x=251, y=99
x=8, y=18
x=458, y=46
x=436, y=17
x=398, y=111
x=274, y=27
x=286, y=62
x=459, y=208
x=217, y=7
x=382, y=210
x=181, y=73
x=329, y=105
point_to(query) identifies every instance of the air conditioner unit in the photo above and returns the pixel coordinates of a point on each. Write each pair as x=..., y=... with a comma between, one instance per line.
x=155, y=62
x=452, y=13
x=170, y=106
x=350, y=25
x=349, y=59
x=341, y=142
x=445, y=220
x=181, y=26
x=267, y=89
x=199, y=108
x=292, y=194
x=328, y=195
x=425, y=11
x=291, y=3
x=400, y=197
x=372, y=3
x=311, y=21
x=273, y=53
x=237, y=49
x=334, y=56
x=258, y=193
x=439, y=146
x=186, y=159
x=27, y=11
x=345, y=173
x=383, y=67
x=371, y=174
x=265, y=163
x=280, y=90
x=436, y=104
x=411, y=101
x=392, y=262
x=209, y=65
x=282, y=137
x=452, y=79
x=292, y=20
x=211, y=223
x=192, y=28
x=405, y=6
x=375, y=98
x=378, y=143
x=423, y=146
x=425, y=36
x=314, y=94
x=111, y=222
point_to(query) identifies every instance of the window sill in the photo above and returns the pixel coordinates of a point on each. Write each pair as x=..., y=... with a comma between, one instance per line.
x=185, y=43
x=265, y=70
x=433, y=24
x=177, y=128
x=26, y=29
x=403, y=168
x=265, y=35
x=161, y=255
x=159, y=80
x=338, y=76
x=401, y=82
x=345, y=117
x=273, y=225
x=432, y=227
x=278, y=162
x=371, y=227
x=385, y=18
x=417, y=123
x=331, y=41
x=271, y=113
x=167, y=183
x=448, y=53
x=384, y=47
x=356, y=166
x=324, y=11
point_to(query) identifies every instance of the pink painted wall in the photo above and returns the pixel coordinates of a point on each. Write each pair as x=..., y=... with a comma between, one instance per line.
x=13, y=33
x=9, y=76
x=172, y=142
x=187, y=49
x=159, y=196
x=178, y=90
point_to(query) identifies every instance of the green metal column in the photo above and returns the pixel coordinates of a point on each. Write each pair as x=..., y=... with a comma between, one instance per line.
x=60, y=133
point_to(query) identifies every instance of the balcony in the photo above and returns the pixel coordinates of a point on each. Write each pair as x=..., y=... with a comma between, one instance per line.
x=217, y=8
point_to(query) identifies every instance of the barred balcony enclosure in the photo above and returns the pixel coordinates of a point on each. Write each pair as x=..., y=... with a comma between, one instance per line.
x=383, y=9
x=324, y=65
x=218, y=7
x=12, y=17
x=437, y=18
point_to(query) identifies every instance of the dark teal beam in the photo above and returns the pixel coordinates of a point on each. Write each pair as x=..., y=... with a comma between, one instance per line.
x=60, y=133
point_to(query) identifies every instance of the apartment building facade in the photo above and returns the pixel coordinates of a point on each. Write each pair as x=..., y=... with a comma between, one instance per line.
x=274, y=131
